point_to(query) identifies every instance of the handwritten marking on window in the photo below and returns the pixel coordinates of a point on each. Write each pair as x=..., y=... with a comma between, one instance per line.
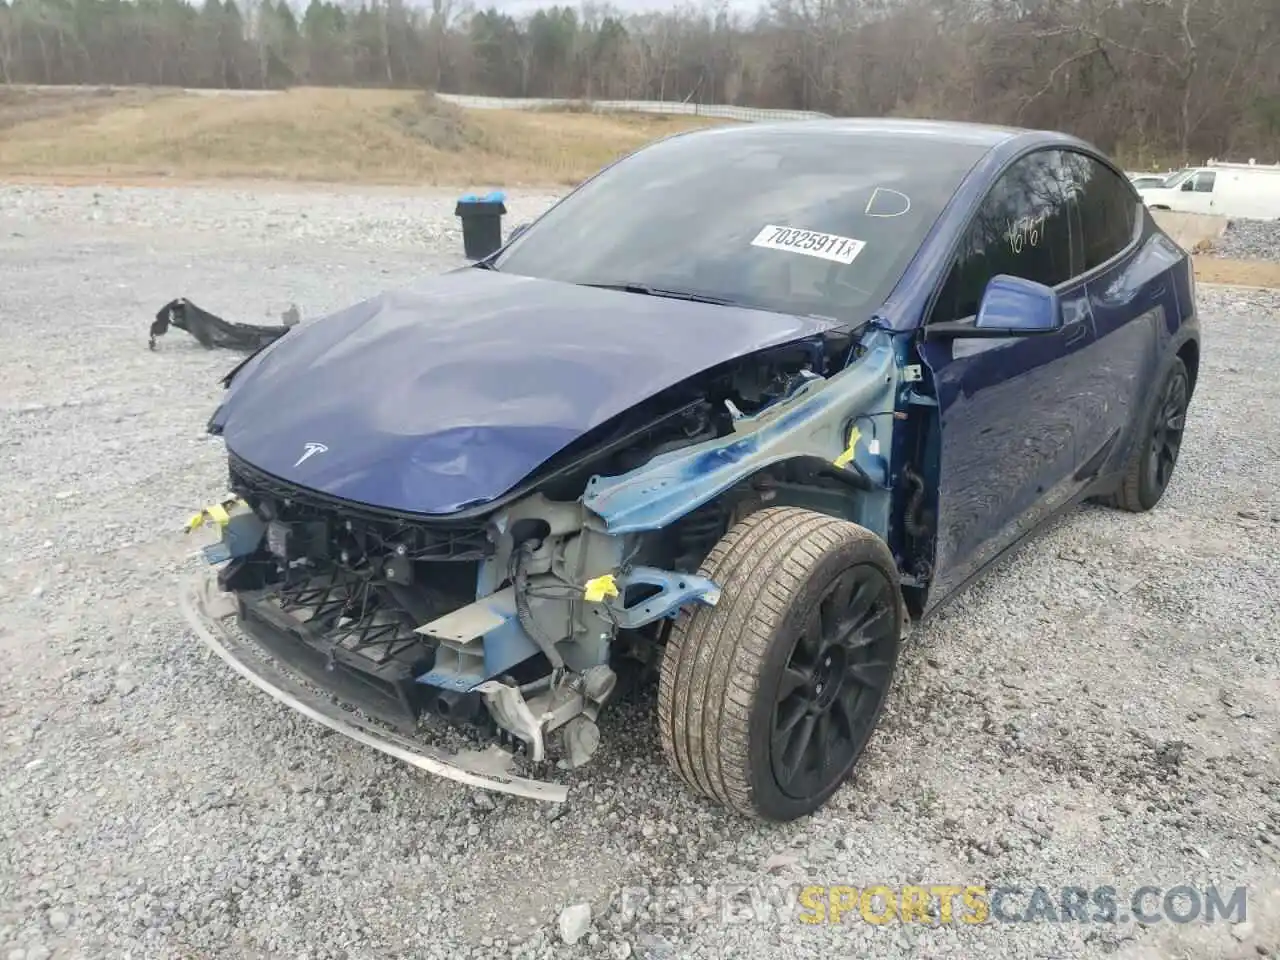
x=1025, y=232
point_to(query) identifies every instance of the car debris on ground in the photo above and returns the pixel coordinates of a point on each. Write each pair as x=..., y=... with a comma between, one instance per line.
x=212, y=331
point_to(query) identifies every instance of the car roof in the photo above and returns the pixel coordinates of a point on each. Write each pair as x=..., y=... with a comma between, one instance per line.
x=938, y=132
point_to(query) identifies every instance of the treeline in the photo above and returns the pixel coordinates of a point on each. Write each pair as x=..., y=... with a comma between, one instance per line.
x=1155, y=79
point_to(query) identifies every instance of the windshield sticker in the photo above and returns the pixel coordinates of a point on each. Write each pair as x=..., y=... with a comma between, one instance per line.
x=811, y=243
x=886, y=202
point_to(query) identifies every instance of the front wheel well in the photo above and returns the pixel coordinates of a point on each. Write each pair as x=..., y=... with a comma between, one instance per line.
x=808, y=482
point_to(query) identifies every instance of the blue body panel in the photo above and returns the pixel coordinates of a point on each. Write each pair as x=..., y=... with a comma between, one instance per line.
x=449, y=393
x=1029, y=426
x=1011, y=421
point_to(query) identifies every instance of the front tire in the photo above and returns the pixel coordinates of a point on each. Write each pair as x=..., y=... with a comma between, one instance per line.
x=767, y=700
x=1156, y=448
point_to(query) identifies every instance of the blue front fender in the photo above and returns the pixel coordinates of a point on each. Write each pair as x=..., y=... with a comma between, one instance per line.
x=809, y=424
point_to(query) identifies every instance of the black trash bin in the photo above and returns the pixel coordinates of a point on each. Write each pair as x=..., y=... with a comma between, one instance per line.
x=481, y=223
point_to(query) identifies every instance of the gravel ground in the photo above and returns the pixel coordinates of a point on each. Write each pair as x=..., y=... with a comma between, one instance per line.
x=1250, y=240
x=1102, y=710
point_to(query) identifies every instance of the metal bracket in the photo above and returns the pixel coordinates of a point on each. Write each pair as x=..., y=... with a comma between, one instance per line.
x=581, y=696
x=512, y=713
x=675, y=589
x=241, y=534
x=476, y=642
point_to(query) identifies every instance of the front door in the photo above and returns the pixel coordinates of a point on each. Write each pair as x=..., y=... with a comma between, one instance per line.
x=1011, y=410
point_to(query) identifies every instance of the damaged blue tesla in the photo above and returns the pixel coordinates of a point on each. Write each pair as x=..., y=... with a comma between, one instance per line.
x=733, y=413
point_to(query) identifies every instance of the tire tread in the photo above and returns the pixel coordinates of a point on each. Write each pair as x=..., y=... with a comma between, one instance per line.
x=715, y=656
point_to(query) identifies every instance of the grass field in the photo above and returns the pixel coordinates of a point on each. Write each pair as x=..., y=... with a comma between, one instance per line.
x=307, y=134
x=337, y=136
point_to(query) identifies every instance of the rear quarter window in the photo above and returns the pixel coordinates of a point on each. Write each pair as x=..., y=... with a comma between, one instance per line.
x=1107, y=206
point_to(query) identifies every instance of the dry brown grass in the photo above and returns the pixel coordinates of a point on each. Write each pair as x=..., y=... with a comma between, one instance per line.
x=342, y=136
x=1240, y=273
x=309, y=134
x=24, y=104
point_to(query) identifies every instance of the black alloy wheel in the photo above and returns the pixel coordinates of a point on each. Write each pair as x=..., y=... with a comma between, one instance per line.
x=835, y=681
x=768, y=699
x=1166, y=435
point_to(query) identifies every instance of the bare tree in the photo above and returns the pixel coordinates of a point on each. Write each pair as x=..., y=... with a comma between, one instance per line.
x=1155, y=80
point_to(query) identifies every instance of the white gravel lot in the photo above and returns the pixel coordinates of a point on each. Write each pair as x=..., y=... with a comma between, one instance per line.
x=1102, y=710
x=1250, y=240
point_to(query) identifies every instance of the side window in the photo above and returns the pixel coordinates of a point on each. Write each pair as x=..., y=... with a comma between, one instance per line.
x=1022, y=229
x=1204, y=182
x=1107, y=206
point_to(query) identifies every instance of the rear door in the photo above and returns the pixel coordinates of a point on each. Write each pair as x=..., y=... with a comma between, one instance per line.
x=1011, y=410
x=1131, y=294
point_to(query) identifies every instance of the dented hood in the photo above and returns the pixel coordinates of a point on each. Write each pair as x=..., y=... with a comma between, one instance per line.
x=449, y=393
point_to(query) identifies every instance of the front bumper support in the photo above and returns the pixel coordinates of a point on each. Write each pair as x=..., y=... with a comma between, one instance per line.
x=211, y=614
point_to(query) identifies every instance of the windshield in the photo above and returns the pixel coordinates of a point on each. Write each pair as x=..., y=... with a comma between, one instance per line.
x=791, y=220
x=1177, y=177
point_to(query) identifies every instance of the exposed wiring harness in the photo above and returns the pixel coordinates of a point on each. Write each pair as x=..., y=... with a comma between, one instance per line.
x=870, y=418
x=913, y=519
x=519, y=579
x=565, y=589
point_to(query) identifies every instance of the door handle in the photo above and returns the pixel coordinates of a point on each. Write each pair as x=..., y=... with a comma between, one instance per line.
x=1075, y=333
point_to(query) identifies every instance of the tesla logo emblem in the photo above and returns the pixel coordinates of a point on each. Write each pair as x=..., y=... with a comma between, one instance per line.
x=309, y=451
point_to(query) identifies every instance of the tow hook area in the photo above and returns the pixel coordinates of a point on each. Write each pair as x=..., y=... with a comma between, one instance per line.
x=573, y=705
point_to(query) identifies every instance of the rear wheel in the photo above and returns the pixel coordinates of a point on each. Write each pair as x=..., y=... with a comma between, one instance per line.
x=767, y=700
x=1157, y=446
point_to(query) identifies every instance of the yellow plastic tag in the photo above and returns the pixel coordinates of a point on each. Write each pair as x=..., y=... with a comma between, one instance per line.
x=598, y=588
x=217, y=512
x=847, y=457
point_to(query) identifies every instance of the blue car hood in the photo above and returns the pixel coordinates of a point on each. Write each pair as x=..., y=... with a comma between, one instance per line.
x=448, y=393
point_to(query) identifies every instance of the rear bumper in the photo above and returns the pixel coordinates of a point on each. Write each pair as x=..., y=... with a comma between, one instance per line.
x=212, y=615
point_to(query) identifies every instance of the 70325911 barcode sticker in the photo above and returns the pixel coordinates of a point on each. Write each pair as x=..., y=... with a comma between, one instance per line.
x=811, y=243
